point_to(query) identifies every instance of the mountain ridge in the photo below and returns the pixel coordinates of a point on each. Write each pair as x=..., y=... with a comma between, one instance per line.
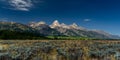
x=75, y=30
x=57, y=29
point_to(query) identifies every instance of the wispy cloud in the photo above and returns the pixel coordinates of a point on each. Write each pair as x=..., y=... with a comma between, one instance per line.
x=23, y=5
x=87, y=20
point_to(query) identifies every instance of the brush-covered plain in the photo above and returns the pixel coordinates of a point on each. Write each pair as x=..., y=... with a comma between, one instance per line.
x=59, y=49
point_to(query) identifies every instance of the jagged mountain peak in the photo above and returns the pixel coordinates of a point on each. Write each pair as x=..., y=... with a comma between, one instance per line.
x=41, y=22
x=56, y=21
x=74, y=25
x=36, y=24
x=55, y=24
x=63, y=25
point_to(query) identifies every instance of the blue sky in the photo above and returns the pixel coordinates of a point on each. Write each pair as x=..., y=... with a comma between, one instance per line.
x=92, y=14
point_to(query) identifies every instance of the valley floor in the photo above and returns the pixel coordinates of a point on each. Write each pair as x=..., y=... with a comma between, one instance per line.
x=59, y=50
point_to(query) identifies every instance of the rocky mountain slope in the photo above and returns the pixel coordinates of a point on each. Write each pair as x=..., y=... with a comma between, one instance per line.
x=13, y=26
x=56, y=29
x=75, y=30
x=12, y=30
x=43, y=28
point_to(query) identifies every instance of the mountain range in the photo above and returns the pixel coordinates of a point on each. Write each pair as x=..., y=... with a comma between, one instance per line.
x=56, y=29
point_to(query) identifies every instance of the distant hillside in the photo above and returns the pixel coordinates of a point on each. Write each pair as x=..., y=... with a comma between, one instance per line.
x=9, y=35
x=12, y=30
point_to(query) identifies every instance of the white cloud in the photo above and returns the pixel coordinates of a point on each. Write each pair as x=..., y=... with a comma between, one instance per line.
x=87, y=20
x=23, y=5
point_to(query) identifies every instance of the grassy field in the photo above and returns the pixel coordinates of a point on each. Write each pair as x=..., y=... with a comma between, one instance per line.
x=59, y=50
